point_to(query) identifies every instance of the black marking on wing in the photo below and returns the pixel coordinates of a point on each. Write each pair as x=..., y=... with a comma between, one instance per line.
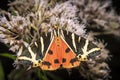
x=46, y=63
x=63, y=60
x=46, y=40
x=50, y=52
x=73, y=60
x=56, y=30
x=93, y=54
x=56, y=61
x=91, y=45
x=61, y=65
x=68, y=38
x=67, y=50
x=79, y=45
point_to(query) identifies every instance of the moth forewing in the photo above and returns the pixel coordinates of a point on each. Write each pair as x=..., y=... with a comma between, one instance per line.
x=32, y=59
x=67, y=44
x=62, y=34
x=42, y=44
x=69, y=56
x=73, y=41
x=48, y=47
x=87, y=50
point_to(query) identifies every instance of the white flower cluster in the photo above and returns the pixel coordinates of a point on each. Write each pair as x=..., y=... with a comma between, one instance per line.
x=11, y=31
x=65, y=14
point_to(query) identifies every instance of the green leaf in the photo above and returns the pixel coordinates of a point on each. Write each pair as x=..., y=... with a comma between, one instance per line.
x=1, y=72
x=41, y=75
x=8, y=55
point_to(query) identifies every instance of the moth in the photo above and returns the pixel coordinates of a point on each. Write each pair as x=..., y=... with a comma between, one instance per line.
x=61, y=49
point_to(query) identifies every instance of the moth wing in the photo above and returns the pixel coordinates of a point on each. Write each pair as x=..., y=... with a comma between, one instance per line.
x=82, y=47
x=50, y=60
x=69, y=58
